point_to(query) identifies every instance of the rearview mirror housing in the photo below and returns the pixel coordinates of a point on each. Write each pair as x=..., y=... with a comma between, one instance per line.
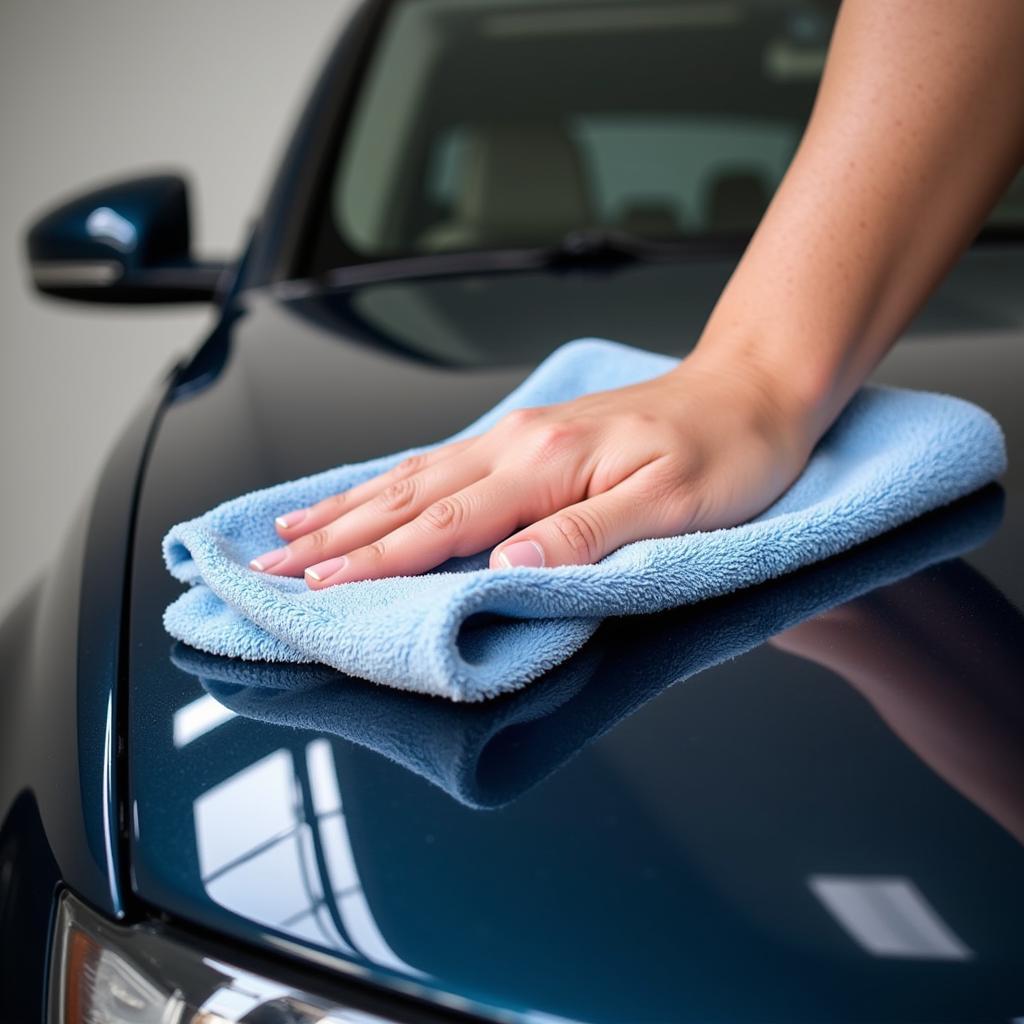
x=127, y=242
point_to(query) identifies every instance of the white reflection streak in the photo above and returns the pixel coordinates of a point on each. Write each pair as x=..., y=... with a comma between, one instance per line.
x=323, y=778
x=107, y=225
x=198, y=718
x=247, y=813
x=888, y=917
x=108, y=798
x=353, y=908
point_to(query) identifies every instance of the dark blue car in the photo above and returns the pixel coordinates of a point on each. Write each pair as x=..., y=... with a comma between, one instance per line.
x=803, y=802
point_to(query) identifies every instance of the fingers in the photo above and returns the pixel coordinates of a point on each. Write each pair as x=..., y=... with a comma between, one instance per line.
x=299, y=522
x=459, y=524
x=584, y=533
x=385, y=509
x=644, y=505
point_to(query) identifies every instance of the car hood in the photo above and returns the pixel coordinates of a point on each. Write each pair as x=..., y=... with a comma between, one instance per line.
x=686, y=821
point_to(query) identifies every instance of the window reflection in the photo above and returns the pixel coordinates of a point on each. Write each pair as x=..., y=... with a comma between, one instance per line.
x=198, y=718
x=277, y=827
x=357, y=920
x=888, y=917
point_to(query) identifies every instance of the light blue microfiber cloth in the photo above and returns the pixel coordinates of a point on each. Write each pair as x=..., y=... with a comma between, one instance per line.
x=467, y=632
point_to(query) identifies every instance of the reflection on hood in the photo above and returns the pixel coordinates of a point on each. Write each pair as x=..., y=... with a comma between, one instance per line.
x=487, y=755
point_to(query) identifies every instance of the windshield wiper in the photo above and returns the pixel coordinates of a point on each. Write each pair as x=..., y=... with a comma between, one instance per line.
x=606, y=246
x=584, y=248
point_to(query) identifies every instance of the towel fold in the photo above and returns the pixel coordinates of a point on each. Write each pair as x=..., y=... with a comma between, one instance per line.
x=467, y=632
x=487, y=755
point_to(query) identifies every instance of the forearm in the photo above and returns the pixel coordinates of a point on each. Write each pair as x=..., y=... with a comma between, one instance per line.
x=917, y=128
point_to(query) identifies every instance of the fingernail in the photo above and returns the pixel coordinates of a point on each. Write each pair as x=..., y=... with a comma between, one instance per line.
x=522, y=553
x=325, y=570
x=286, y=522
x=268, y=560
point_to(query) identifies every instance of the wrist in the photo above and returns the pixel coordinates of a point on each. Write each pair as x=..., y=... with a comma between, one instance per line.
x=794, y=394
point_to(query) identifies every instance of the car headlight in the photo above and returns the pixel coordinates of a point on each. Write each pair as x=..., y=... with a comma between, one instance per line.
x=102, y=973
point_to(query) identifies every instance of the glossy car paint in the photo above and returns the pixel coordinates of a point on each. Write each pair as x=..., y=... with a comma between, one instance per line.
x=665, y=871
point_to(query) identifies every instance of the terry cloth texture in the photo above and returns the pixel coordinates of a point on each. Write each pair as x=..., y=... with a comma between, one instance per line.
x=466, y=632
x=488, y=754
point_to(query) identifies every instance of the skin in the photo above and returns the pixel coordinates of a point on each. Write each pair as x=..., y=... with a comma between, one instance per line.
x=917, y=129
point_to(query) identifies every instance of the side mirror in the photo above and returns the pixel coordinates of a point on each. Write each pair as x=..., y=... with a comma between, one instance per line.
x=127, y=242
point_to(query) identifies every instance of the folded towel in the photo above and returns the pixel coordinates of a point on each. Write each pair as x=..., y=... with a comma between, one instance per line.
x=486, y=755
x=467, y=632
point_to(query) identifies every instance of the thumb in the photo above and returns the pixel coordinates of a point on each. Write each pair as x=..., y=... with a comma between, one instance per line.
x=579, y=534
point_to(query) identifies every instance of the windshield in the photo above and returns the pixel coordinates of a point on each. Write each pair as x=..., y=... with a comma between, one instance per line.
x=498, y=124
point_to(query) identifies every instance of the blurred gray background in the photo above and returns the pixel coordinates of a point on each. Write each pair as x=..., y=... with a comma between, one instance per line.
x=90, y=91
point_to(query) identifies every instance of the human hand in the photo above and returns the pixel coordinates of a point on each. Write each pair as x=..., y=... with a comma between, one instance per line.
x=699, y=448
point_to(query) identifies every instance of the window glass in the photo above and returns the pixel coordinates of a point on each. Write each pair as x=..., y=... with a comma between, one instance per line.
x=486, y=124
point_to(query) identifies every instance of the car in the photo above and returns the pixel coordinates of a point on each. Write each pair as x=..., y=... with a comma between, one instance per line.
x=803, y=801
